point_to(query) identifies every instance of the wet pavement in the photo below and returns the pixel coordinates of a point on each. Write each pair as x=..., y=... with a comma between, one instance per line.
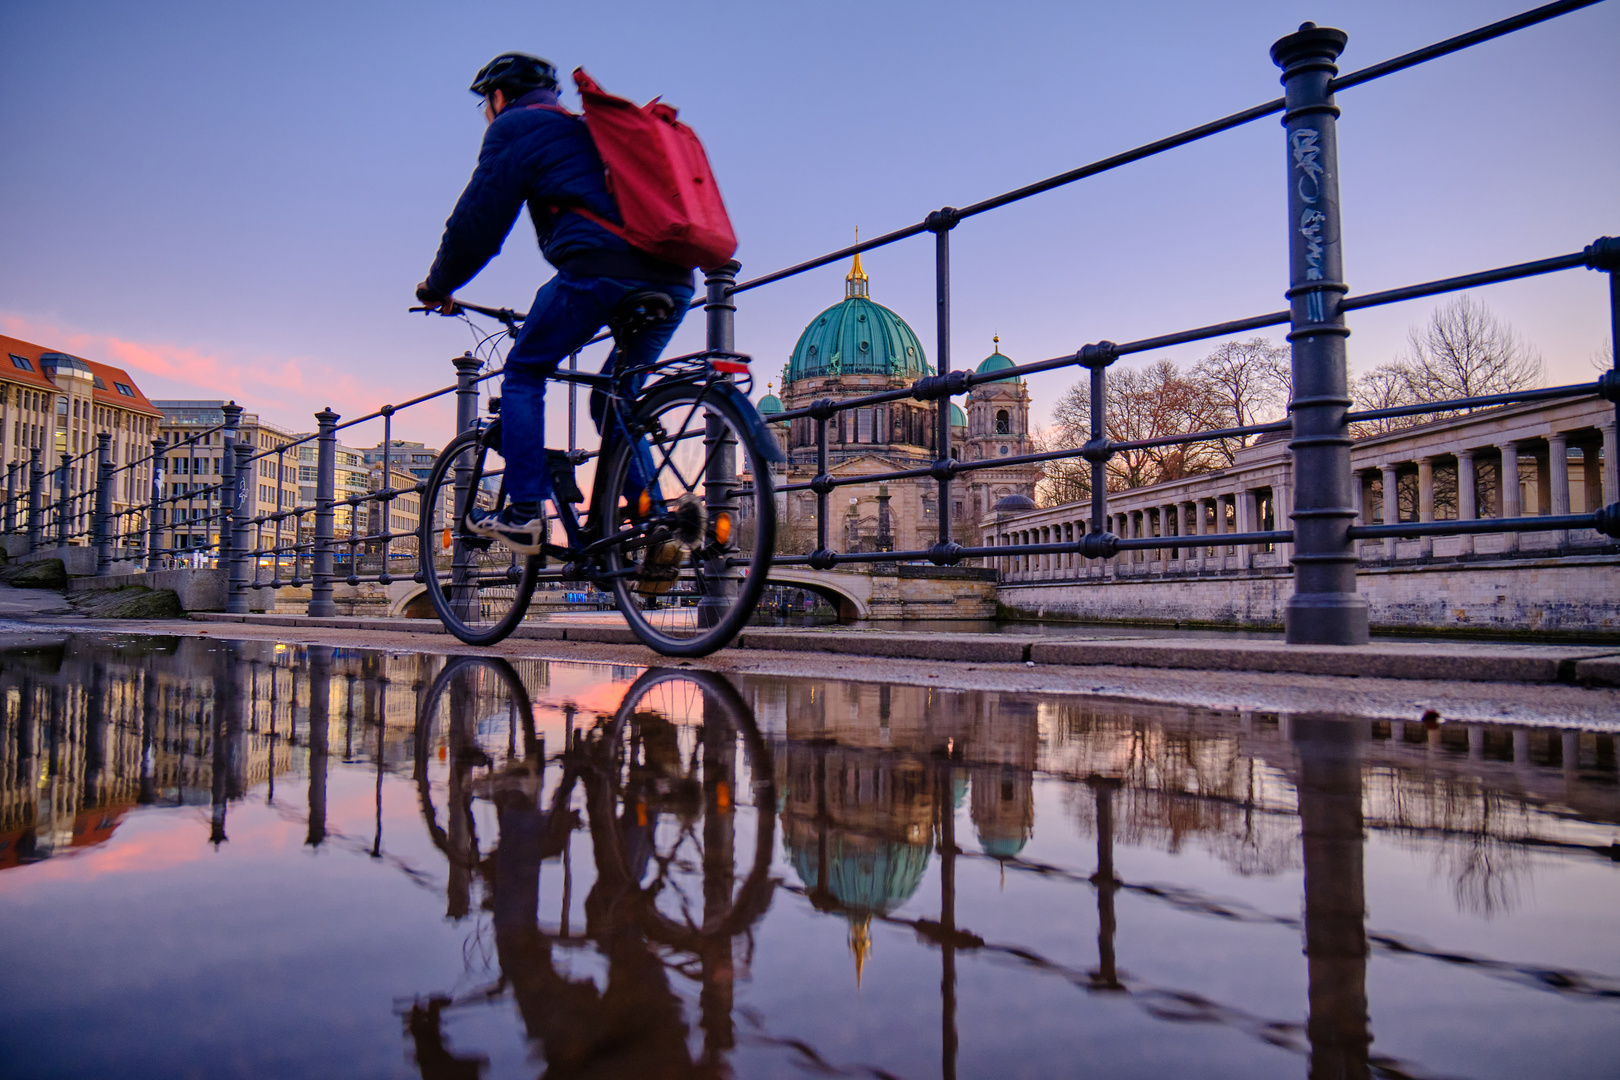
x=252, y=858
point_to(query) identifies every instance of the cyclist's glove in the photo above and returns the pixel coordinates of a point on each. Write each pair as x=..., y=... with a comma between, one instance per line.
x=428, y=296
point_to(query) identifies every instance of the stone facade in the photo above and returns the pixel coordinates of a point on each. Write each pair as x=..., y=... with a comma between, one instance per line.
x=1495, y=463
x=857, y=348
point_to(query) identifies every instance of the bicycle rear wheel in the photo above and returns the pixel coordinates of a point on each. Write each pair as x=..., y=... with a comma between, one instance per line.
x=480, y=589
x=692, y=503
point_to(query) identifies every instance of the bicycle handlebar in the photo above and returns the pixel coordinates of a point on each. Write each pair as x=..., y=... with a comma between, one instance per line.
x=506, y=315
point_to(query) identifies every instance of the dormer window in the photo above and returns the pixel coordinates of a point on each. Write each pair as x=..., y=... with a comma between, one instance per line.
x=99, y=384
x=21, y=362
x=124, y=388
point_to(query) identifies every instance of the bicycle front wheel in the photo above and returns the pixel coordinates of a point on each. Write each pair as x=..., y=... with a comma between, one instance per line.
x=692, y=509
x=480, y=589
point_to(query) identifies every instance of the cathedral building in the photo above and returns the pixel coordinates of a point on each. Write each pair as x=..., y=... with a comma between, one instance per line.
x=859, y=347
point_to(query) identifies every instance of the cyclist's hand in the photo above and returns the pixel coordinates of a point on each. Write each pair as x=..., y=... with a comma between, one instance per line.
x=430, y=297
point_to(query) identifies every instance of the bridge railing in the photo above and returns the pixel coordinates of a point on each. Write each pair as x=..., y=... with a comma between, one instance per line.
x=1325, y=607
x=297, y=543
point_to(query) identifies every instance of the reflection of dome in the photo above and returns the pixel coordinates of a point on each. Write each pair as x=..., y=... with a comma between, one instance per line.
x=866, y=877
x=958, y=417
x=1014, y=502
x=857, y=337
x=997, y=362
x=1002, y=847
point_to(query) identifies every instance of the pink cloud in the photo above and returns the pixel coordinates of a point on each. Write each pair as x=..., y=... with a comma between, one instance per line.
x=287, y=390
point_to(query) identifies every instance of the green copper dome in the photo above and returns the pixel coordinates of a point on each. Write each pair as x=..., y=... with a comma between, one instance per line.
x=866, y=876
x=996, y=362
x=857, y=337
x=769, y=404
x=958, y=417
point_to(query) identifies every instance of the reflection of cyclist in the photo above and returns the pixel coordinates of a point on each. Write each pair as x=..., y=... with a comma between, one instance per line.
x=537, y=153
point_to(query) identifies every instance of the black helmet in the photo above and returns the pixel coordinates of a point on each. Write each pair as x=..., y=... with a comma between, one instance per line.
x=514, y=74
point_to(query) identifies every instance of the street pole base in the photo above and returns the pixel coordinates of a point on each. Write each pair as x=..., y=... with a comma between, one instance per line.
x=1325, y=619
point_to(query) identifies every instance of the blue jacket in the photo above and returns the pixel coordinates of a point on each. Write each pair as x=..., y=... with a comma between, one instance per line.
x=543, y=157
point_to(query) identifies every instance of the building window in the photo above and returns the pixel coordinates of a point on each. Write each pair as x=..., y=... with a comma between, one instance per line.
x=21, y=362
x=97, y=380
x=1003, y=422
x=122, y=388
x=863, y=425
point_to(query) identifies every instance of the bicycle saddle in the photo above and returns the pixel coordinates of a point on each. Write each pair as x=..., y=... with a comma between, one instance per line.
x=640, y=311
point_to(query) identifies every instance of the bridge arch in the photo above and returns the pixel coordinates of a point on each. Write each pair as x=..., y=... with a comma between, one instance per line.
x=844, y=595
x=413, y=604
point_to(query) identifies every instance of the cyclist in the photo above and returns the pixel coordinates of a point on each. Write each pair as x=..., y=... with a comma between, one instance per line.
x=538, y=153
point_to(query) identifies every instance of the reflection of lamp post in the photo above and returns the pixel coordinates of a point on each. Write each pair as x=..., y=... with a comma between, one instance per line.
x=719, y=872
x=1106, y=977
x=1329, y=786
x=320, y=700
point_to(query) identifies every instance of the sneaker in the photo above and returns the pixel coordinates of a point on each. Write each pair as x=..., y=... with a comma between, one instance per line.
x=523, y=529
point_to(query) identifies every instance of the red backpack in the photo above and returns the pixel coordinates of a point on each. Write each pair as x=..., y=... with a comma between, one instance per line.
x=659, y=175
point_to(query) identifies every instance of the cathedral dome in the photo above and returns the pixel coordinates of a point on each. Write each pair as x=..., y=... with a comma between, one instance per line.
x=958, y=417
x=770, y=404
x=857, y=337
x=996, y=362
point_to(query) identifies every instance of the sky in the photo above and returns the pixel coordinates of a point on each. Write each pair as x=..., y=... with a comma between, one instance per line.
x=236, y=201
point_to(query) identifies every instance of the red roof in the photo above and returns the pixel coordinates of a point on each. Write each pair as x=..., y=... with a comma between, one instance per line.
x=108, y=374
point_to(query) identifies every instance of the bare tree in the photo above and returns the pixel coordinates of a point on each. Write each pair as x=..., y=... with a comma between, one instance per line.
x=1247, y=382
x=1465, y=351
x=1148, y=402
x=1603, y=359
x=1384, y=387
x=1064, y=480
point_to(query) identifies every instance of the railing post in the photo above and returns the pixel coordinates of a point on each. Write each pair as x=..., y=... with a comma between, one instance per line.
x=36, y=497
x=64, y=518
x=320, y=590
x=225, y=516
x=238, y=517
x=103, y=520
x=154, y=517
x=942, y=222
x=720, y=486
x=10, y=524
x=1325, y=608
x=462, y=597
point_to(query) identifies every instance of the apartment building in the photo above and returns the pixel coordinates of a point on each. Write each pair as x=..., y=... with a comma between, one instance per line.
x=352, y=477
x=60, y=403
x=194, y=466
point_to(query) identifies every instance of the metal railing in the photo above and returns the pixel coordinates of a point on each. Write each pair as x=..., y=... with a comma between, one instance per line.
x=1325, y=607
x=259, y=548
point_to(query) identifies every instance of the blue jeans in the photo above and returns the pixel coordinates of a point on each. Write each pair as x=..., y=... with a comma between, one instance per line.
x=567, y=312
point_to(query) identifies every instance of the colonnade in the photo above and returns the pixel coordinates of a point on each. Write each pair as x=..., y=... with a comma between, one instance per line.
x=1206, y=517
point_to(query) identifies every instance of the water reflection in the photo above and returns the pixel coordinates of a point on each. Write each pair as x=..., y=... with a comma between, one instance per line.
x=613, y=850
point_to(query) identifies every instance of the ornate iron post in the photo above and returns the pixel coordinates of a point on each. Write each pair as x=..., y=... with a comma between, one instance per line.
x=462, y=597
x=720, y=445
x=154, y=517
x=942, y=222
x=320, y=590
x=224, y=517
x=103, y=521
x=36, y=499
x=11, y=497
x=239, y=517
x=64, y=519
x=1325, y=608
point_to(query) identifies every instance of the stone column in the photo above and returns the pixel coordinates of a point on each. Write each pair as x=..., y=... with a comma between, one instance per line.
x=1426, y=501
x=1197, y=529
x=1283, y=493
x=1611, y=475
x=1467, y=489
x=1507, y=481
x=1558, y=468
x=1392, y=505
x=1248, y=515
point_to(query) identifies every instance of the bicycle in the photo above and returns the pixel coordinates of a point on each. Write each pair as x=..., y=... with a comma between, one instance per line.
x=679, y=536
